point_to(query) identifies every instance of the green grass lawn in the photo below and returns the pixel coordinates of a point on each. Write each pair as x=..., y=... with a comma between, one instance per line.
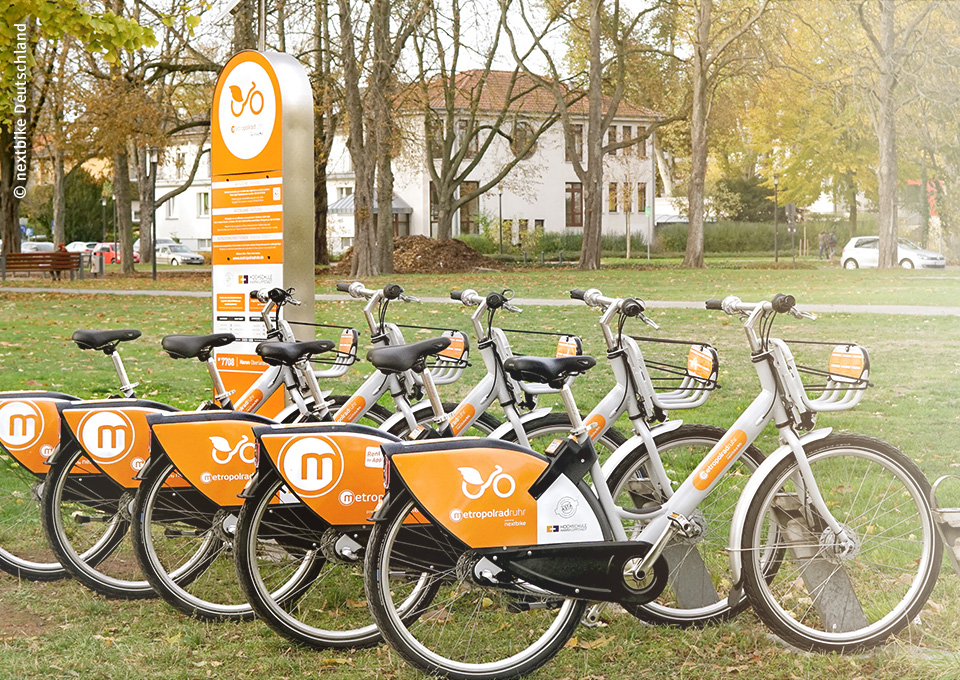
x=53, y=630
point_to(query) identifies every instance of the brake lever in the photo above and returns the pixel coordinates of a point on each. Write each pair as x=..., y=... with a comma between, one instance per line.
x=802, y=315
x=409, y=298
x=511, y=308
x=650, y=322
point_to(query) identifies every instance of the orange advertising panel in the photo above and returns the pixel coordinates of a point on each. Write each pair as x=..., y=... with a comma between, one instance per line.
x=117, y=440
x=699, y=363
x=216, y=457
x=338, y=475
x=479, y=494
x=248, y=252
x=847, y=362
x=719, y=458
x=30, y=431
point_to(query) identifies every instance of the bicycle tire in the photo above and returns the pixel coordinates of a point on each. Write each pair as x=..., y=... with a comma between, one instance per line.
x=184, y=542
x=462, y=631
x=302, y=620
x=702, y=563
x=870, y=585
x=72, y=508
x=25, y=552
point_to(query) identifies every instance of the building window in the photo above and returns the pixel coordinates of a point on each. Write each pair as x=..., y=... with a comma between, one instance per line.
x=343, y=192
x=574, y=204
x=626, y=135
x=612, y=197
x=641, y=197
x=401, y=224
x=642, y=146
x=465, y=138
x=612, y=139
x=181, y=163
x=135, y=212
x=576, y=131
x=470, y=211
x=203, y=204
x=171, y=211
x=522, y=134
x=346, y=242
x=434, y=211
x=435, y=140
x=203, y=244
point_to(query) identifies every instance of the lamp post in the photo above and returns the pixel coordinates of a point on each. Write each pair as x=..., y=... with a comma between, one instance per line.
x=103, y=218
x=776, y=224
x=153, y=155
x=500, y=201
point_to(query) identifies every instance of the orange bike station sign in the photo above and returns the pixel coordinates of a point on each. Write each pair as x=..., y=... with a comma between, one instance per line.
x=262, y=204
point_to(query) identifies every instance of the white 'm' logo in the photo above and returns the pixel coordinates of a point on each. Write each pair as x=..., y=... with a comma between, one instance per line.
x=20, y=424
x=311, y=465
x=106, y=435
x=502, y=483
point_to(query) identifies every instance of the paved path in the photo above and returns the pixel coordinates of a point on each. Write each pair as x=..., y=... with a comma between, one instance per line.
x=914, y=310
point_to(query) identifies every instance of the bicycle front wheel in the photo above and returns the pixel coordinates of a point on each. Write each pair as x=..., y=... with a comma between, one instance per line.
x=86, y=518
x=287, y=578
x=24, y=550
x=849, y=590
x=463, y=630
x=700, y=580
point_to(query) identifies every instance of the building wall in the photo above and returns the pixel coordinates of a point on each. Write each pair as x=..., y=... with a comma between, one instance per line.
x=535, y=190
x=186, y=217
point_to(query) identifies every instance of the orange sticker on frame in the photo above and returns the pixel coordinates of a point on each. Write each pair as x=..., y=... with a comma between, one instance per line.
x=461, y=418
x=719, y=458
x=350, y=411
x=595, y=425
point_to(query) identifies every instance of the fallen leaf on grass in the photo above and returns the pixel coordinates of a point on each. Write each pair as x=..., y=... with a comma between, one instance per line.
x=598, y=643
x=356, y=604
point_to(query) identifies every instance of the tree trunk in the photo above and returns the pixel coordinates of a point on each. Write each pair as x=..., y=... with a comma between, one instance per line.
x=121, y=191
x=698, y=139
x=244, y=26
x=593, y=181
x=852, y=199
x=445, y=216
x=887, y=139
x=59, y=198
x=147, y=180
x=666, y=171
x=9, y=202
x=321, y=251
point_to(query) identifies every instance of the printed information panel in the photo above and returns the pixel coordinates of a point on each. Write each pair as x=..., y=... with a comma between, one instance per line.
x=262, y=146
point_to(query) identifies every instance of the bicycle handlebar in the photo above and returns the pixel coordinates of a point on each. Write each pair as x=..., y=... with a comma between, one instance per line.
x=714, y=304
x=344, y=287
x=278, y=296
x=780, y=303
x=577, y=294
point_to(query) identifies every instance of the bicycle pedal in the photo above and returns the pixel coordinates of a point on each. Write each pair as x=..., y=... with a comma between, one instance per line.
x=178, y=533
x=519, y=607
x=80, y=518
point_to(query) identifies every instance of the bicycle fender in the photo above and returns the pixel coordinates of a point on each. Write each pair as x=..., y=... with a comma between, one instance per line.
x=335, y=469
x=477, y=490
x=749, y=492
x=215, y=451
x=112, y=433
x=635, y=441
x=507, y=427
x=30, y=426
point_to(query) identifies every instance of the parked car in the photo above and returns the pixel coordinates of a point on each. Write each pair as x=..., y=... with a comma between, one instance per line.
x=177, y=254
x=110, y=253
x=864, y=251
x=160, y=242
x=36, y=247
x=81, y=246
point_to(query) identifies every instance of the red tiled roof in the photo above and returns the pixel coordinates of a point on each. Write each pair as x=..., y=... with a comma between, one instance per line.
x=527, y=97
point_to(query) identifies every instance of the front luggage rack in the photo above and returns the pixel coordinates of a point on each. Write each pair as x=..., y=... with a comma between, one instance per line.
x=843, y=383
x=682, y=382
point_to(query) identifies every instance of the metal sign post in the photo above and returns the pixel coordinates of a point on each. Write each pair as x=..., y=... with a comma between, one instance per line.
x=262, y=203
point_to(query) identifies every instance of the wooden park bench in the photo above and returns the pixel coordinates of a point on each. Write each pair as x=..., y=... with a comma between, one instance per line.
x=42, y=262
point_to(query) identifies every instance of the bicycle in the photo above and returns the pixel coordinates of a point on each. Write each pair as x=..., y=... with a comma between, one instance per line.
x=29, y=436
x=512, y=575
x=80, y=512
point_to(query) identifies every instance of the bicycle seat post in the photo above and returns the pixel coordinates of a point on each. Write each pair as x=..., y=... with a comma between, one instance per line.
x=430, y=389
x=221, y=395
x=126, y=387
x=570, y=405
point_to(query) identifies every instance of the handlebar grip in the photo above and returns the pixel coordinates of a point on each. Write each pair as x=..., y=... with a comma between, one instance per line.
x=278, y=295
x=495, y=301
x=254, y=294
x=632, y=307
x=713, y=303
x=783, y=303
x=577, y=294
x=456, y=295
x=344, y=286
x=392, y=291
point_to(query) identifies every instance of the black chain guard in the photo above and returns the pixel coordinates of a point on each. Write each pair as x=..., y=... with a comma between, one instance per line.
x=590, y=571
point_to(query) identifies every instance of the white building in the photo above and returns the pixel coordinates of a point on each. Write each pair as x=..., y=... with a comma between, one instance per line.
x=186, y=217
x=541, y=191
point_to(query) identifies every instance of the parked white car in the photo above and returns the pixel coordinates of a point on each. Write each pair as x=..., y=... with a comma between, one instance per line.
x=177, y=254
x=864, y=251
x=81, y=246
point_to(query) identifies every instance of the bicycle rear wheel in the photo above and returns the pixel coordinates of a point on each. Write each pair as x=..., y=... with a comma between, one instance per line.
x=846, y=592
x=464, y=630
x=86, y=518
x=24, y=550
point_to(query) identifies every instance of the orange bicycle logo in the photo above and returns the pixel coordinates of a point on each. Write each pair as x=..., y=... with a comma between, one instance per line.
x=238, y=97
x=244, y=448
x=21, y=424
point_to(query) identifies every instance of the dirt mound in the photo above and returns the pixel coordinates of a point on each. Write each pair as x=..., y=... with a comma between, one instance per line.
x=422, y=255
